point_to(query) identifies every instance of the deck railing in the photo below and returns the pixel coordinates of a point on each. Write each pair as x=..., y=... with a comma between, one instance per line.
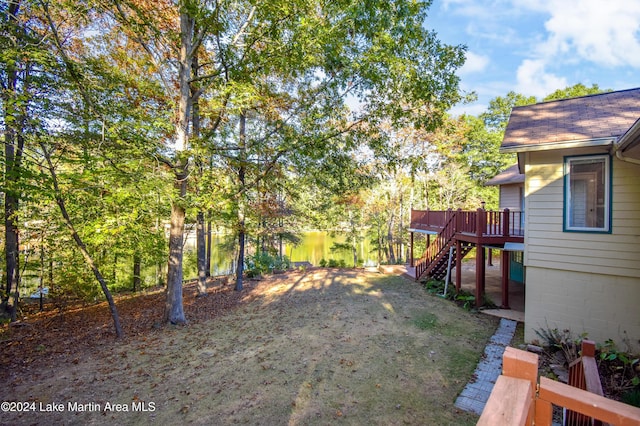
x=479, y=222
x=583, y=374
x=427, y=219
x=518, y=399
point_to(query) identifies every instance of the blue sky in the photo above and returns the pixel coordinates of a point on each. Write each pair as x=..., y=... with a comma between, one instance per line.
x=534, y=47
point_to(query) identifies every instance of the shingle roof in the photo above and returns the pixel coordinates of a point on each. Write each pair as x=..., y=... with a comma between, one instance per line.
x=589, y=118
x=508, y=176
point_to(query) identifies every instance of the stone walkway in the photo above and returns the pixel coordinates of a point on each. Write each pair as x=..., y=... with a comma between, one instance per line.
x=475, y=395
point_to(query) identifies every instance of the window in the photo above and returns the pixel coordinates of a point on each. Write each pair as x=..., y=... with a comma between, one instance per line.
x=587, y=190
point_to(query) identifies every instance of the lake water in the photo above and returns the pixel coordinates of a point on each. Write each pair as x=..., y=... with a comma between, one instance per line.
x=314, y=246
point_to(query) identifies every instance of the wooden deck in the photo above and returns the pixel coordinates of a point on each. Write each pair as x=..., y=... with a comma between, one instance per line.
x=479, y=226
x=520, y=398
x=451, y=234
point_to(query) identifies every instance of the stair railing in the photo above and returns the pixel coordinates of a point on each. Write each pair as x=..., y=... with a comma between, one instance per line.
x=439, y=245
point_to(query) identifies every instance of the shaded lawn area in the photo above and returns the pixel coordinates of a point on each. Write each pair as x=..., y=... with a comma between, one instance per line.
x=325, y=346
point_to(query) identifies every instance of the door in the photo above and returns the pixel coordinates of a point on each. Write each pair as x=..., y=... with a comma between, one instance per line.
x=516, y=266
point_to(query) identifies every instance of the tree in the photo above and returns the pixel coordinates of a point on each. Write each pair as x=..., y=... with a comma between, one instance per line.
x=575, y=91
x=15, y=76
x=61, y=96
x=497, y=116
x=285, y=66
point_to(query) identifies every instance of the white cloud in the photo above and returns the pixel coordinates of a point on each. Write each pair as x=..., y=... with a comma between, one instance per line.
x=604, y=32
x=474, y=63
x=533, y=80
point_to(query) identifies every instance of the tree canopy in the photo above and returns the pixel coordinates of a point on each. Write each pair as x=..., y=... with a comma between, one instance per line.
x=139, y=120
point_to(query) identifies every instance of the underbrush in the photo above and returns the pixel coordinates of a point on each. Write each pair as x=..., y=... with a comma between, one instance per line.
x=265, y=263
x=619, y=370
x=463, y=298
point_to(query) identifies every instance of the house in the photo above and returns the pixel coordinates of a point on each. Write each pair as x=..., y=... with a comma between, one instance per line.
x=580, y=159
x=452, y=234
x=511, y=185
x=511, y=196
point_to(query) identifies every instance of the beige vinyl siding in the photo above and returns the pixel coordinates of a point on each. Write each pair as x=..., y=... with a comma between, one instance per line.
x=580, y=281
x=510, y=196
x=602, y=306
x=548, y=246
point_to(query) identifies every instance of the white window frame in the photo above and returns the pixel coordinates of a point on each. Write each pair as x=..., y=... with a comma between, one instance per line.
x=605, y=203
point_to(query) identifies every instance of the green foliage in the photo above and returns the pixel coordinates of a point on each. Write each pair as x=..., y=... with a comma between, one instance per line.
x=497, y=116
x=575, y=91
x=623, y=368
x=264, y=263
x=468, y=300
x=74, y=281
x=464, y=299
x=333, y=263
x=562, y=340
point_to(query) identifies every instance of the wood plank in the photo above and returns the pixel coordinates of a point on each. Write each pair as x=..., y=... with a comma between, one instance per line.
x=509, y=403
x=587, y=403
x=520, y=364
x=543, y=412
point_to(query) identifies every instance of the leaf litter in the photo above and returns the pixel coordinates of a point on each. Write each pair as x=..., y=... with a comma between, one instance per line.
x=315, y=347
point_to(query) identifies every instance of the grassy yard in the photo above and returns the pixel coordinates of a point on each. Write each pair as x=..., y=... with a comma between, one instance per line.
x=325, y=346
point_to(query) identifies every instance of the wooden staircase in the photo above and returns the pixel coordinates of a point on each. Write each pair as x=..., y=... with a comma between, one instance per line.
x=437, y=269
x=434, y=263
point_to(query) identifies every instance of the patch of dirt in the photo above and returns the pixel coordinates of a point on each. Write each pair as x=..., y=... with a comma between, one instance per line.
x=316, y=347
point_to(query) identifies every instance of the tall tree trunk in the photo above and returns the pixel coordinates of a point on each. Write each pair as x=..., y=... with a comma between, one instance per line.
x=240, y=264
x=354, y=240
x=241, y=206
x=201, y=249
x=355, y=252
x=15, y=120
x=11, y=253
x=202, y=254
x=137, y=264
x=80, y=243
x=208, y=254
x=380, y=242
x=114, y=271
x=174, y=310
x=401, y=250
x=392, y=257
x=42, y=272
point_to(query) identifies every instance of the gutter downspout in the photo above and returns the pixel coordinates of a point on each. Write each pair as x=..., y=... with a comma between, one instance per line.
x=632, y=135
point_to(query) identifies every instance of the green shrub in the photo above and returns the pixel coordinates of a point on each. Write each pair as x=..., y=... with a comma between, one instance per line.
x=463, y=298
x=264, y=263
x=620, y=366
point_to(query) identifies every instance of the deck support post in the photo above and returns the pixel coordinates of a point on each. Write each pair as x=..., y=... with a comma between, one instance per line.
x=481, y=226
x=504, y=265
x=411, y=264
x=458, y=266
x=504, y=262
x=480, y=275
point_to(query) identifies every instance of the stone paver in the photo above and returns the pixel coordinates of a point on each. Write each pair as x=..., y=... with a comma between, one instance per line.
x=475, y=395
